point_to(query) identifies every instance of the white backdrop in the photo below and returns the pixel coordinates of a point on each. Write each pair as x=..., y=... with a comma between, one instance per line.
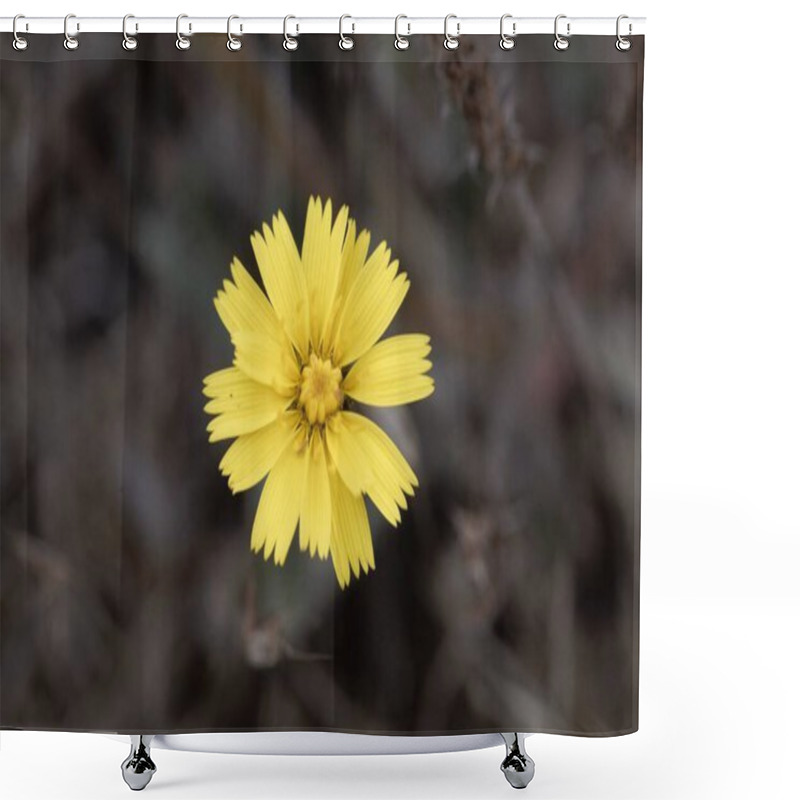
x=720, y=609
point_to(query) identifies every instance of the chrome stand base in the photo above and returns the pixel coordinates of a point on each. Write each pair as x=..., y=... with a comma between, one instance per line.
x=517, y=766
x=138, y=768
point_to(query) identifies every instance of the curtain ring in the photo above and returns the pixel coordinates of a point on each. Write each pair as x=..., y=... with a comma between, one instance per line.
x=129, y=42
x=289, y=42
x=234, y=42
x=346, y=42
x=401, y=42
x=561, y=43
x=450, y=41
x=20, y=42
x=507, y=42
x=182, y=43
x=70, y=42
x=622, y=43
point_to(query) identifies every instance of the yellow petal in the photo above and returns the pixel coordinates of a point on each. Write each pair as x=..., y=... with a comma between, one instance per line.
x=322, y=257
x=267, y=361
x=351, y=540
x=346, y=454
x=281, y=271
x=227, y=309
x=250, y=305
x=315, y=509
x=370, y=306
x=223, y=381
x=340, y=564
x=241, y=404
x=253, y=455
x=243, y=394
x=241, y=305
x=354, y=255
x=390, y=373
x=279, y=506
x=369, y=462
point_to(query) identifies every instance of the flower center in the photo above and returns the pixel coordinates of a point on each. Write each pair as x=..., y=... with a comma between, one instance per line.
x=320, y=390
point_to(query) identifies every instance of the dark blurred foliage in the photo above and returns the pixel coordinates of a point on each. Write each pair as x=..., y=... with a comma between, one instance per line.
x=509, y=187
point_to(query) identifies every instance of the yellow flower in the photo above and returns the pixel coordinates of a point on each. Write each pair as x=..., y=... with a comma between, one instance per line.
x=302, y=353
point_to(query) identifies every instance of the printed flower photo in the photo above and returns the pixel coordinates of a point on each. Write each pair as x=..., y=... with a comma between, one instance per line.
x=304, y=352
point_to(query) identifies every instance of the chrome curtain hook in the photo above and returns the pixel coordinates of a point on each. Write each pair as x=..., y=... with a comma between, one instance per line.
x=289, y=42
x=450, y=40
x=129, y=42
x=234, y=42
x=346, y=42
x=622, y=43
x=20, y=42
x=181, y=42
x=561, y=43
x=70, y=42
x=507, y=42
x=401, y=42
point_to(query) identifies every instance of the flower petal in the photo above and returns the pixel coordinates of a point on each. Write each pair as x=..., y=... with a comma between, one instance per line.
x=238, y=392
x=279, y=506
x=223, y=381
x=391, y=372
x=354, y=255
x=239, y=310
x=315, y=509
x=267, y=361
x=346, y=455
x=322, y=258
x=369, y=462
x=247, y=306
x=253, y=455
x=241, y=404
x=281, y=271
x=351, y=540
x=370, y=306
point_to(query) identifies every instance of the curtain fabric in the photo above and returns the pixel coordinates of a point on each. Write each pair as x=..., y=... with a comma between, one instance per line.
x=320, y=385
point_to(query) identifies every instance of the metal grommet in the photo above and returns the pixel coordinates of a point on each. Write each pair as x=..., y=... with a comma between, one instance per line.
x=346, y=42
x=561, y=43
x=20, y=42
x=70, y=42
x=129, y=42
x=450, y=41
x=181, y=42
x=289, y=42
x=401, y=42
x=507, y=42
x=622, y=43
x=234, y=42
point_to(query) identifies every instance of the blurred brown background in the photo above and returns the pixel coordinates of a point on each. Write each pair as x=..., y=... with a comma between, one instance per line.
x=508, y=184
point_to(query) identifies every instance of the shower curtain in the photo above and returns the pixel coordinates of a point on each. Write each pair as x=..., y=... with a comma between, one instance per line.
x=320, y=385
